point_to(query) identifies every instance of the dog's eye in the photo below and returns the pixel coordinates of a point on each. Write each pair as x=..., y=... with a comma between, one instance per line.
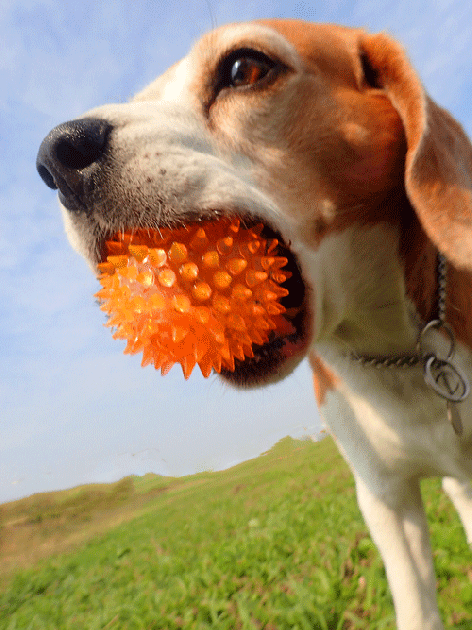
x=247, y=71
x=244, y=68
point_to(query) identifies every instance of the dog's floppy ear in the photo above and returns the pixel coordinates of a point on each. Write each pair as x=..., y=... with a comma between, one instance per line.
x=438, y=165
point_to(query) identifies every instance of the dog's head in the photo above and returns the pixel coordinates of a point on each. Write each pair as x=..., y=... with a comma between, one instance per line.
x=309, y=128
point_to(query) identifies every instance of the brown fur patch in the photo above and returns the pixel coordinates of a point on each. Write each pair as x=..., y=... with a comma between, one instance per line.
x=324, y=380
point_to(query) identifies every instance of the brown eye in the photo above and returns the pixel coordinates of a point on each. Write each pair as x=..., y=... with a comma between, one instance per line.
x=244, y=68
x=247, y=71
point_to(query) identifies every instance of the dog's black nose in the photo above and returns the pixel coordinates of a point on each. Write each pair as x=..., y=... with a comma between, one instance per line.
x=68, y=151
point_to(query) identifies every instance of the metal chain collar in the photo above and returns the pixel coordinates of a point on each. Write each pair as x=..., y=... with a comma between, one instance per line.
x=440, y=374
x=410, y=360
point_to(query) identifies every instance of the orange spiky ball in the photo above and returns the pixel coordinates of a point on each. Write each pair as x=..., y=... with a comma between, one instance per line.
x=203, y=293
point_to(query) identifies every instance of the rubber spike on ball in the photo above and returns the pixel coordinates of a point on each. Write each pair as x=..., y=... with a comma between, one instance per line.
x=199, y=294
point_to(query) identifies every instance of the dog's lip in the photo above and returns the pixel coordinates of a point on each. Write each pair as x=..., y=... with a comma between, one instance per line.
x=71, y=202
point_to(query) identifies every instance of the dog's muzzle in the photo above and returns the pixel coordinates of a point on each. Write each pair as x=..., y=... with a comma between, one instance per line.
x=76, y=158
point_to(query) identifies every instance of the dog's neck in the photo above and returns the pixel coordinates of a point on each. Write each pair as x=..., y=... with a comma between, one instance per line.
x=372, y=302
x=360, y=292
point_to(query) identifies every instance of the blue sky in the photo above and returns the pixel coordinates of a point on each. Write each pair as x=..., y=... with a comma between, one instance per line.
x=73, y=408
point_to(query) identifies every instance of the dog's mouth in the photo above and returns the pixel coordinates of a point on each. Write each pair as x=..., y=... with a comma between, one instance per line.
x=277, y=357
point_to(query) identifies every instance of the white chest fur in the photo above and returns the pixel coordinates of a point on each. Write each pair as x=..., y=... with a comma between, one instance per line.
x=387, y=421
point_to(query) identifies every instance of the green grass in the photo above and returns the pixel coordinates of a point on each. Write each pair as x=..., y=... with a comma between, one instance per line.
x=275, y=543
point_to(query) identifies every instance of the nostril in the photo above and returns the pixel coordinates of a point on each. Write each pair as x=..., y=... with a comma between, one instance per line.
x=79, y=151
x=46, y=176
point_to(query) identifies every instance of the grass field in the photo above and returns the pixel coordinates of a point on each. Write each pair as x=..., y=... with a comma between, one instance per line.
x=274, y=543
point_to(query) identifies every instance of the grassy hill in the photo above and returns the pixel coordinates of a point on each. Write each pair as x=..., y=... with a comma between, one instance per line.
x=275, y=543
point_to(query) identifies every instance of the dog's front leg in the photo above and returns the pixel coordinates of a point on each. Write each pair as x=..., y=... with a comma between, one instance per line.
x=460, y=493
x=399, y=529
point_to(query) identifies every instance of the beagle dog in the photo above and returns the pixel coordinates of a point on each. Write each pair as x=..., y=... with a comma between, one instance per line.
x=326, y=135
